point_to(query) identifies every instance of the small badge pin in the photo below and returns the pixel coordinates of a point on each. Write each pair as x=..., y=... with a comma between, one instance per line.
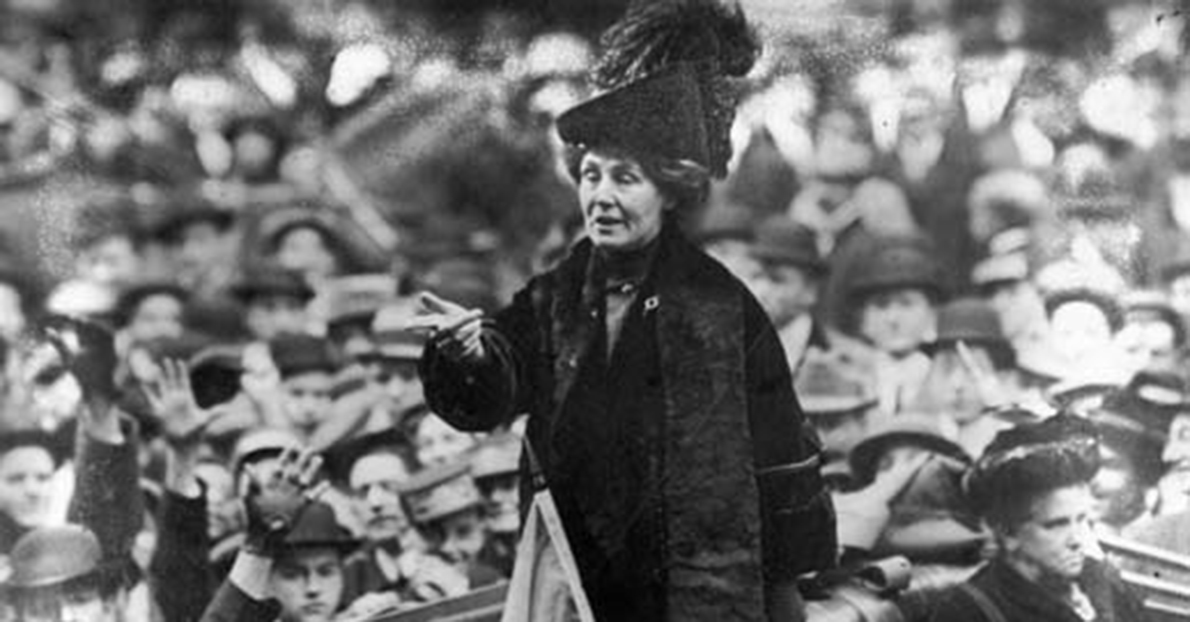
x=651, y=303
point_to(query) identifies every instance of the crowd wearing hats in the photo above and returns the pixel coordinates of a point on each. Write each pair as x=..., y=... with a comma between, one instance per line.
x=973, y=242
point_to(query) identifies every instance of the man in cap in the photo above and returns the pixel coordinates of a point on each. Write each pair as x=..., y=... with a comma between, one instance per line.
x=840, y=405
x=149, y=311
x=896, y=288
x=307, y=370
x=1153, y=333
x=274, y=301
x=970, y=373
x=354, y=303
x=1003, y=280
x=494, y=465
x=1032, y=487
x=28, y=460
x=201, y=240
x=445, y=506
x=57, y=573
x=909, y=501
x=788, y=289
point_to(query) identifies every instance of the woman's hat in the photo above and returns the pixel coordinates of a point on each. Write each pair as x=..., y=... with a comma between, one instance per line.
x=50, y=556
x=664, y=69
x=903, y=430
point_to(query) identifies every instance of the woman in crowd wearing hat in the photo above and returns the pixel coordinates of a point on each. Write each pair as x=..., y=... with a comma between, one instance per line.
x=896, y=288
x=970, y=373
x=1032, y=487
x=662, y=413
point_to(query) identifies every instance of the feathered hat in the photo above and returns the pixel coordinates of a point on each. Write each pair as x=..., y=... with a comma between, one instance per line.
x=665, y=74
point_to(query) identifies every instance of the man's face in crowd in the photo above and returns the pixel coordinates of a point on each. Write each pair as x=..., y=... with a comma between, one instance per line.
x=1019, y=307
x=309, y=584
x=403, y=383
x=268, y=316
x=462, y=537
x=1150, y=341
x=438, y=443
x=898, y=321
x=1080, y=329
x=374, y=481
x=503, y=500
x=951, y=388
x=113, y=260
x=201, y=245
x=1052, y=544
x=308, y=398
x=157, y=316
x=25, y=485
x=304, y=250
x=1175, y=485
x=57, y=604
x=789, y=292
x=12, y=314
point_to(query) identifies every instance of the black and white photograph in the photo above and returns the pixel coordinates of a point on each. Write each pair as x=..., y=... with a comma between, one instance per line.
x=594, y=310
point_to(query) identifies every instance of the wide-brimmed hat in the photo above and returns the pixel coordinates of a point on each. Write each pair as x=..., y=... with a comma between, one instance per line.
x=974, y=322
x=781, y=241
x=49, y=556
x=496, y=456
x=824, y=387
x=438, y=492
x=920, y=431
x=1032, y=458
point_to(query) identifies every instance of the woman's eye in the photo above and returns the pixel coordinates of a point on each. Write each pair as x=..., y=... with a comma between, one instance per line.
x=590, y=175
x=626, y=178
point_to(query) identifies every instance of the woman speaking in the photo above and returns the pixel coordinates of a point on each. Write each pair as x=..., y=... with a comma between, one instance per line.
x=661, y=411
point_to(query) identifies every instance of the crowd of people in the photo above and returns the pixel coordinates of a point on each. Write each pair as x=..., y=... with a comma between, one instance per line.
x=967, y=222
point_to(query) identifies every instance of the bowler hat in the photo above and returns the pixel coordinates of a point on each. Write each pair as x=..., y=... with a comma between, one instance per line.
x=298, y=354
x=824, y=388
x=271, y=280
x=660, y=115
x=903, y=430
x=50, y=556
x=894, y=263
x=974, y=322
x=781, y=241
x=316, y=527
x=440, y=491
x=340, y=459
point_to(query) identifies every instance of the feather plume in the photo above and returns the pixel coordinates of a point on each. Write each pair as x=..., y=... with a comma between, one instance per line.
x=655, y=34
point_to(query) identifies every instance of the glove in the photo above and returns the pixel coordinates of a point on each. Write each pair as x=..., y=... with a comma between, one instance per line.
x=276, y=500
x=88, y=351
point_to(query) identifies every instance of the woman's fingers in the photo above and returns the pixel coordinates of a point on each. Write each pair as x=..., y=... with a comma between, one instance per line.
x=434, y=304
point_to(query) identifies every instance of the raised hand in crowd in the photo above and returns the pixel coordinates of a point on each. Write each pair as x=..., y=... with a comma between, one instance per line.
x=88, y=352
x=457, y=329
x=276, y=497
x=183, y=424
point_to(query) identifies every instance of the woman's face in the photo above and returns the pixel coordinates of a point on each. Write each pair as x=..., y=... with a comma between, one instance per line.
x=622, y=208
x=898, y=321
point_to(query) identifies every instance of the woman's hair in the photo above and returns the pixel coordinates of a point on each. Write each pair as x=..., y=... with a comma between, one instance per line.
x=686, y=181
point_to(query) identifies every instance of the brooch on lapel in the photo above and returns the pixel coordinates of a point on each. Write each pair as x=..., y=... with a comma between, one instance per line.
x=651, y=304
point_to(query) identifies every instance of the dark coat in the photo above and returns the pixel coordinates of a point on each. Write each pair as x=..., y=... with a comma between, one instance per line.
x=179, y=572
x=1020, y=600
x=673, y=458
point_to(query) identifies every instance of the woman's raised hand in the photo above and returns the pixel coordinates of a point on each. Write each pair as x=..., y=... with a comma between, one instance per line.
x=456, y=329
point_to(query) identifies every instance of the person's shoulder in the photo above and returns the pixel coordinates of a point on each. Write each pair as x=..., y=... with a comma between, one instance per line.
x=955, y=604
